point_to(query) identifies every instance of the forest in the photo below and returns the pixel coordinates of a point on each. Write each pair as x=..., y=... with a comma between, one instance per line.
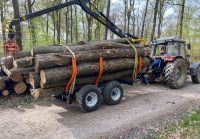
x=148, y=19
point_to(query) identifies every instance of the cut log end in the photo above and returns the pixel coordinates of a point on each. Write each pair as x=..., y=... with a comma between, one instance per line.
x=20, y=88
x=5, y=93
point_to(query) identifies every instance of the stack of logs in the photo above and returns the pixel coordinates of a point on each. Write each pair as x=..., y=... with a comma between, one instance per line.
x=51, y=67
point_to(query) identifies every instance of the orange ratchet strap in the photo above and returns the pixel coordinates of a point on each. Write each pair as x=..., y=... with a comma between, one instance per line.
x=100, y=70
x=71, y=83
x=139, y=66
x=73, y=76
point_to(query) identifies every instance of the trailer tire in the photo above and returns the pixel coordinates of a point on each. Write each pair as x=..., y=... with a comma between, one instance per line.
x=176, y=73
x=88, y=98
x=196, y=78
x=113, y=93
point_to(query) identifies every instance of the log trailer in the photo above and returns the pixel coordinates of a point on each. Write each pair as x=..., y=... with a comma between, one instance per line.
x=170, y=63
x=88, y=96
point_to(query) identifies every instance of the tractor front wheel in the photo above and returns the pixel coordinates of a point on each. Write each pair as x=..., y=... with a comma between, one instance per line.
x=176, y=73
x=196, y=78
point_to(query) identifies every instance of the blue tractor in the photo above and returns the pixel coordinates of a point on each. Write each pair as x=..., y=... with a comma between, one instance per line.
x=170, y=63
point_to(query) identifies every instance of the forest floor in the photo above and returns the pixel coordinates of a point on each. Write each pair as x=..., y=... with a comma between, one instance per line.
x=144, y=112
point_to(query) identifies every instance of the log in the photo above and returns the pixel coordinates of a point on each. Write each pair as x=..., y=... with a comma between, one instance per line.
x=120, y=40
x=22, y=54
x=5, y=93
x=62, y=73
x=60, y=49
x=13, y=75
x=24, y=62
x=45, y=93
x=34, y=80
x=45, y=61
x=20, y=88
x=89, y=80
x=7, y=61
x=2, y=83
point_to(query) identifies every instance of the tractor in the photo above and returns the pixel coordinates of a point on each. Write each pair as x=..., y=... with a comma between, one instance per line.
x=170, y=63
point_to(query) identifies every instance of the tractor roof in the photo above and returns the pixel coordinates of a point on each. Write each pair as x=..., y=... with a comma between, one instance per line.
x=167, y=39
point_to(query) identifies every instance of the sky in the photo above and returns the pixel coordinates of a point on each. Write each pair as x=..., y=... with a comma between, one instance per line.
x=114, y=1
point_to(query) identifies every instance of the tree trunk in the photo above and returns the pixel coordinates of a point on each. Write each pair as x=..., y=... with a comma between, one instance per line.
x=46, y=61
x=76, y=23
x=67, y=24
x=90, y=80
x=62, y=73
x=7, y=61
x=2, y=19
x=24, y=62
x=34, y=80
x=17, y=26
x=181, y=19
x=2, y=83
x=108, y=16
x=125, y=14
x=144, y=19
x=154, y=20
x=92, y=46
x=22, y=54
x=32, y=24
x=71, y=26
x=20, y=88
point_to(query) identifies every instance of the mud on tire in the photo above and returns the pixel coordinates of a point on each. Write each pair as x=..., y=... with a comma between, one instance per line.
x=176, y=73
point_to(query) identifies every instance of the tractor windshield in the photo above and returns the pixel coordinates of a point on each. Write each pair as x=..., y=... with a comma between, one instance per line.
x=168, y=49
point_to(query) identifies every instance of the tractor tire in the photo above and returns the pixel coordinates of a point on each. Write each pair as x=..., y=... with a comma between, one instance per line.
x=112, y=93
x=176, y=73
x=196, y=78
x=88, y=98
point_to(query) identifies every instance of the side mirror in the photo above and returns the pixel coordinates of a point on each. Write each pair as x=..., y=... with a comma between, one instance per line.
x=188, y=46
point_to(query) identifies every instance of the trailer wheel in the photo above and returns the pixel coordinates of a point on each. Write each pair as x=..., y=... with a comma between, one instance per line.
x=88, y=98
x=112, y=93
x=196, y=78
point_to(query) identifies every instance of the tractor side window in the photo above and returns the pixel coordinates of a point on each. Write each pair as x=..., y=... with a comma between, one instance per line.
x=182, y=49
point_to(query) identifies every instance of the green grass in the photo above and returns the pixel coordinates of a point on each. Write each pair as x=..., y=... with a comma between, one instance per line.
x=187, y=128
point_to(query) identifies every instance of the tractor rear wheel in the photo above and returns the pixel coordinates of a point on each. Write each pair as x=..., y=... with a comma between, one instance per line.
x=176, y=73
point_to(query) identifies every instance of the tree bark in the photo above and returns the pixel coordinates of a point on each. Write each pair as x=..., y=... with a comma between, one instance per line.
x=154, y=20
x=89, y=80
x=17, y=26
x=24, y=62
x=20, y=88
x=181, y=19
x=62, y=73
x=2, y=83
x=32, y=24
x=108, y=16
x=60, y=49
x=45, y=61
x=34, y=80
x=144, y=19
x=7, y=61
x=2, y=2
x=22, y=54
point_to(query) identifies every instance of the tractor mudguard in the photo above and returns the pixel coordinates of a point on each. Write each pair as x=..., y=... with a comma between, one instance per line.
x=193, y=68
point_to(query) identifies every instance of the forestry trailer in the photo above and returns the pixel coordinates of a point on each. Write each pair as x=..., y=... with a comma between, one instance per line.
x=88, y=96
x=170, y=62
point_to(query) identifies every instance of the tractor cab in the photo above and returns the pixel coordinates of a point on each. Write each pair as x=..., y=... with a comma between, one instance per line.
x=169, y=49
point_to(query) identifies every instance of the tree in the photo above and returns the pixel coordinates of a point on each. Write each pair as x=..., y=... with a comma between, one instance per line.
x=17, y=26
x=2, y=3
x=144, y=19
x=108, y=16
x=32, y=24
x=154, y=20
x=181, y=19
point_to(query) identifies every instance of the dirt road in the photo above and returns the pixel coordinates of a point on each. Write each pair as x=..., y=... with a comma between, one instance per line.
x=144, y=109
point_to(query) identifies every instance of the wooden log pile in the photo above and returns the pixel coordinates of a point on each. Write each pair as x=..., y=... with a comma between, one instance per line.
x=50, y=67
